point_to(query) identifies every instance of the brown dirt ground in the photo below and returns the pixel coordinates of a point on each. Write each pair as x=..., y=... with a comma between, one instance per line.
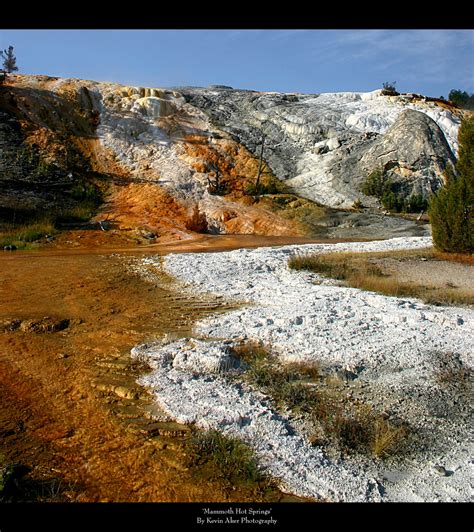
x=432, y=272
x=51, y=417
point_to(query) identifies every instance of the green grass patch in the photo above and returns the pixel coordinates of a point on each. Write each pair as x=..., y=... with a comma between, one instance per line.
x=23, y=228
x=22, y=235
x=233, y=458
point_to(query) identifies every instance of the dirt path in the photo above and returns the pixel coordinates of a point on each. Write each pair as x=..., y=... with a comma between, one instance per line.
x=54, y=418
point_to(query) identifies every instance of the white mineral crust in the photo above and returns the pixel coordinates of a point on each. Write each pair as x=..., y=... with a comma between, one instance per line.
x=391, y=339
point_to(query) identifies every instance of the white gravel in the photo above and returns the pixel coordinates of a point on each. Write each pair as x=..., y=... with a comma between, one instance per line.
x=390, y=343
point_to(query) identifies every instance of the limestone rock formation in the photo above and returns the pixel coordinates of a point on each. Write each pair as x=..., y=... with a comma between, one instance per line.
x=413, y=154
x=315, y=143
x=175, y=157
x=413, y=151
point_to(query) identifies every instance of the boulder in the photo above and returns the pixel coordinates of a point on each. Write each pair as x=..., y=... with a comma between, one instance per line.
x=413, y=152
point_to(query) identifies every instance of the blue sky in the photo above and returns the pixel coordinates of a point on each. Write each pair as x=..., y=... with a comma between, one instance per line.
x=427, y=61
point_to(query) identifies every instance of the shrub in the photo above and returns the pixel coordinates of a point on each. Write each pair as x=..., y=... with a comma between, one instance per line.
x=451, y=217
x=376, y=184
x=197, y=221
x=87, y=192
x=416, y=203
x=389, y=88
x=392, y=201
x=234, y=459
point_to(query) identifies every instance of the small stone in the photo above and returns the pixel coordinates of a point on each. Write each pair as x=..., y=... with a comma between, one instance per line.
x=127, y=393
x=172, y=429
x=131, y=411
x=440, y=470
x=346, y=375
x=44, y=325
x=10, y=325
x=155, y=412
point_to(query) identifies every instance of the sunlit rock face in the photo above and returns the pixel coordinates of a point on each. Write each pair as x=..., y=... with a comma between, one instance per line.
x=176, y=143
x=325, y=145
x=413, y=152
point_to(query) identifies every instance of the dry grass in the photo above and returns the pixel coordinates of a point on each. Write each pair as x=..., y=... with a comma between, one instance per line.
x=461, y=258
x=334, y=419
x=451, y=372
x=24, y=234
x=308, y=370
x=360, y=270
x=386, y=438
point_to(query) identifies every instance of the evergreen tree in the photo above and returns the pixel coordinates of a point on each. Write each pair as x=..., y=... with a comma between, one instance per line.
x=461, y=99
x=9, y=60
x=452, y=208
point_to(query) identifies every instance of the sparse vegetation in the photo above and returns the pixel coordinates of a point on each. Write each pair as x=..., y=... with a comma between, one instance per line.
x=377, y=184
x=81, y=212
x=334, y=419
x=21, y=235
x=261, y=188
x=449, y=377
x=233, y=458
x=9, y=60
x=306, y=213
x=451, y=374
x=16, y=486
x=360, y=270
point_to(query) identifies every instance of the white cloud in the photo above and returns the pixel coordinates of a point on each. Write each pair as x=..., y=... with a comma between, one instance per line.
x=433, y=55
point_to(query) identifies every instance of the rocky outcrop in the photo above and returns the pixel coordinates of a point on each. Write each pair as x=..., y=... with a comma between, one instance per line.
x=196, y=150
x=413, y=152
x=315, y=143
